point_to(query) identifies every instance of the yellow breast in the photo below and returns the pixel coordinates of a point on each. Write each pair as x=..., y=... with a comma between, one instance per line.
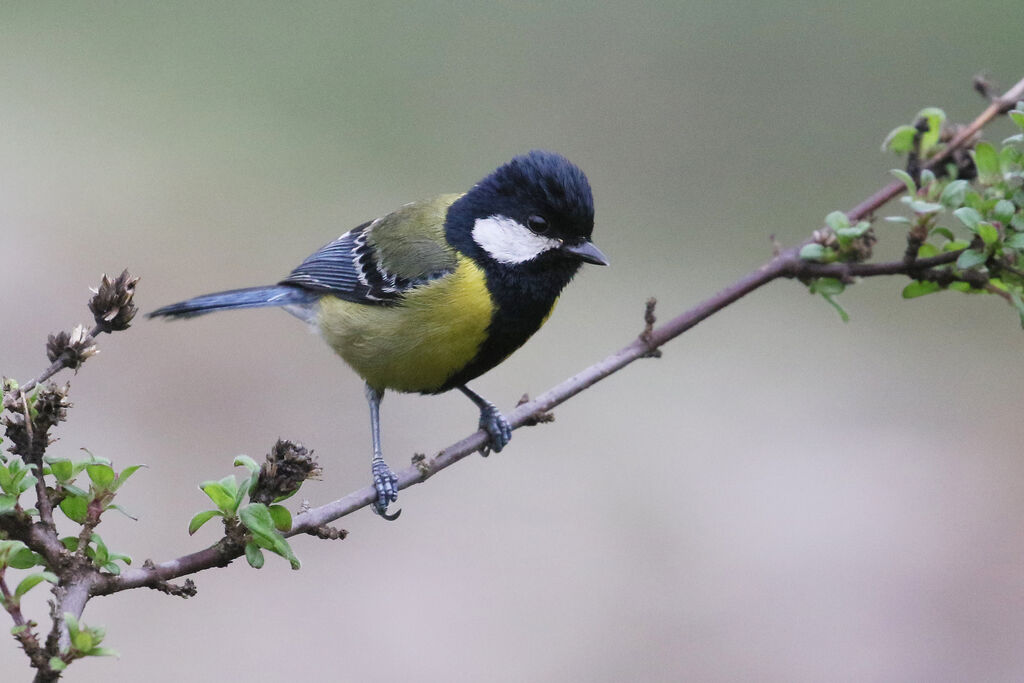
x=417, y=344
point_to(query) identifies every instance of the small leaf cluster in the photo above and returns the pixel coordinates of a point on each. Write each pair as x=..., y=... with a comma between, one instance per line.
x=86, y=506
x=15, y=478
x=77, y=503
x=839, y=241
x=16, y=555
x=989, y=228
x=85, y=642
x=264, y=523
x=923, y=137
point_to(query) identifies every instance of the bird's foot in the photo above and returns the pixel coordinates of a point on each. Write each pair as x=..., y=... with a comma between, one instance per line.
x=496, y=426
x=386, y=483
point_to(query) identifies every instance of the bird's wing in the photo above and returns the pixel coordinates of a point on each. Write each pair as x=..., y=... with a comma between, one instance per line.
x=378, y=261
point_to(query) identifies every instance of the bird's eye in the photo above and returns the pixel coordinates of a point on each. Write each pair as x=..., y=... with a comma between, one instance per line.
x=537, y=224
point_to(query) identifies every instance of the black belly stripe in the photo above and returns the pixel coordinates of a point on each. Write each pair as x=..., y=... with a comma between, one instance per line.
x=522, y=301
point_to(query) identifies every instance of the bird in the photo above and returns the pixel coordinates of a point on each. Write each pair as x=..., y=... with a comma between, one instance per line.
x=431, y=296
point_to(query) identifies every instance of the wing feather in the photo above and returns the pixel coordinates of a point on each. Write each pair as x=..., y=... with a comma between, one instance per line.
x=378, y=261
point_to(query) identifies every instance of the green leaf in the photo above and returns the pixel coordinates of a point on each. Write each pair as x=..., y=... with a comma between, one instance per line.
x=843, y=315
x=900, y=139
x=968, y=217
x=1015, y=241
x=115, y=506
x=927, y=250
x=971, y=258
x=837, y=220
x=83, y=640
x=256, y=518
x=24, y=559
x=988, y=233
x=102, y=476
x=111, y=568
x=246, y=488
x=103, y=652
x=93, y=459
x=920, y=288
x=987, y=162
x=955, y=245
x=26, y=483
x=76, y=508
x=928, y=180
x=8, y=501
x=253, y=555
x=221, y=497
x=905, y=177
x=922, y=208
x=935, y=118
x=281, y=516
x=248, y=463
x=202, y=518
x=816, y=252
x=853, y=231
x=827, y=285
x=57, y=664
x=1004, y=210
x=125, y=473
x=61, y=468
x=285, y=496
x=945, y=232
x=33, y=580
x=9, y=549
x=953, y=194
x=1018, y=118
x=100, y=555
x=118, y=557
x=73, y=490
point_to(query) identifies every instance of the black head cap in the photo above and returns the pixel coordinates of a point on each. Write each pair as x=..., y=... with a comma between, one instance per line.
x=540, y=189
x=550, y=185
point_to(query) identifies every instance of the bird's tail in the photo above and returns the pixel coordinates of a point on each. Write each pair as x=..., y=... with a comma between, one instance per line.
x=252, y=297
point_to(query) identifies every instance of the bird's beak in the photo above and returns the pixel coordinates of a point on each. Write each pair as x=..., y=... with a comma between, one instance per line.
x=586, y=251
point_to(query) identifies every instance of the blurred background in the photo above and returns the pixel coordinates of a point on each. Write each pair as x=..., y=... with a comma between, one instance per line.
x=781, y=497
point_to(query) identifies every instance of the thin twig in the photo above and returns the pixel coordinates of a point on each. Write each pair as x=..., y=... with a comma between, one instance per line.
x=55, y=367
x=9, y=604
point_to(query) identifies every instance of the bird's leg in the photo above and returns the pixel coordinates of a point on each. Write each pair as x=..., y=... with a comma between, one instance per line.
x=491, y=421
x=384, y=480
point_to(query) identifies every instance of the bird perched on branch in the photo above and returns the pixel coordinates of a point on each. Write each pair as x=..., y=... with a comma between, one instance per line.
x=440, y=291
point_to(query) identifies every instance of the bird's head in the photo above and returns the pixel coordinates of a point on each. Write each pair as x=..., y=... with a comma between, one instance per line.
x=536, y=210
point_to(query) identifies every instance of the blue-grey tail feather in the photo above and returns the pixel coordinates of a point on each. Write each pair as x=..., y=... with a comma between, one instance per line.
x=252, y=297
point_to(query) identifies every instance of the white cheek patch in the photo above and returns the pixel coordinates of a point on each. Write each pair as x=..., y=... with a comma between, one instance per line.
x=510, y=242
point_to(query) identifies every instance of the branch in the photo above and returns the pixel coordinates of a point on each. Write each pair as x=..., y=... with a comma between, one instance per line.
x=999, y=105
x=785, y=264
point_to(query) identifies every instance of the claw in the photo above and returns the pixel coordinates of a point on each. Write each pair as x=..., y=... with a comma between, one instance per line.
x=383, y=513
x=386, y=483
x=491, y=421
x=497, y=427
